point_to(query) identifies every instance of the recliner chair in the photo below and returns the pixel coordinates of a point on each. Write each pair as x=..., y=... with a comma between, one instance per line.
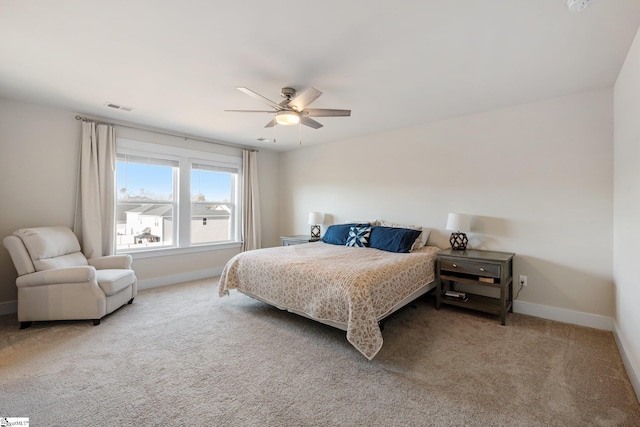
x=57, y=282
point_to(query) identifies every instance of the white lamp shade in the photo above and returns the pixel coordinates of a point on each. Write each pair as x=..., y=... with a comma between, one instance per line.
x=458, y=222
x=315, y=218
x=287, y=117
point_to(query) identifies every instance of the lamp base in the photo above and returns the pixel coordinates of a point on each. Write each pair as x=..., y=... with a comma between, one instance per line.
x=458, y=241
x=315, y=232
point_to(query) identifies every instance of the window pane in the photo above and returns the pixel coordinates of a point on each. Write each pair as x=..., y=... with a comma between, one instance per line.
x=212, y=209
x=144, y=181
x=145, y=208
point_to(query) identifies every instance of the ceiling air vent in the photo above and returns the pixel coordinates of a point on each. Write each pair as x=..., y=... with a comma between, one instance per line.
x=118, y=107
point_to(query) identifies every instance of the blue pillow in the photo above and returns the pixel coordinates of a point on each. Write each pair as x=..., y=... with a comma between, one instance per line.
x=393, y=239
x=338, y=234
x=358, y=236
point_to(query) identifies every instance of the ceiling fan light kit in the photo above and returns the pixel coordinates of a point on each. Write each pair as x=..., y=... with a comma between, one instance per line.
x=287, y=118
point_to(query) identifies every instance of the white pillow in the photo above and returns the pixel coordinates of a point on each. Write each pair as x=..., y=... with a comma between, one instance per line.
x=422, y=238
x=370, y=222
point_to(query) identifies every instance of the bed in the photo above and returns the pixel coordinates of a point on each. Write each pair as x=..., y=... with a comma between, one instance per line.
x=351, y=288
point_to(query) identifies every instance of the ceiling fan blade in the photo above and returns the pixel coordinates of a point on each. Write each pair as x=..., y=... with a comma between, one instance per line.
x=271, y=124
x=260, y=98
x=305, y=98
x=250, y=111
x=325, y=112
x=310, y=122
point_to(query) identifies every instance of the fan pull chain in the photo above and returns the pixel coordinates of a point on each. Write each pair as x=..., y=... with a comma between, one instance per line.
x=274, y=133
x=300, y=133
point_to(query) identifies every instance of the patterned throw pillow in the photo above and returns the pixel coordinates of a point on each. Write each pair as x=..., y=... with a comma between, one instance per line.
x=359, y=236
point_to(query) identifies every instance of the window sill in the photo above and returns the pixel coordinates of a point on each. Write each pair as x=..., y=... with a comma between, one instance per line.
x=161, y=252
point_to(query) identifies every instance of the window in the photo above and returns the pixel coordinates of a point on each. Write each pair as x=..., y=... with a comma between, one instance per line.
x=174, y=198
x=212, y=201
x=146, y=205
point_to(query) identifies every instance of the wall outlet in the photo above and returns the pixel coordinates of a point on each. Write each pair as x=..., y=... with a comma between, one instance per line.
x=523, y=280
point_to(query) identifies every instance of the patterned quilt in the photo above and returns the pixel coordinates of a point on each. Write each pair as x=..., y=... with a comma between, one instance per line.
x=349, y=285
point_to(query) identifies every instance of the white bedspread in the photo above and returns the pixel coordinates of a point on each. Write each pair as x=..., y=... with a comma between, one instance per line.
x=349, y=285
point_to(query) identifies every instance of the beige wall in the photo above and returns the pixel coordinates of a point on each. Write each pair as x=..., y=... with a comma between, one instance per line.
x=38, y=171
x=538, y=179
x=39, y=149
x=627, y=208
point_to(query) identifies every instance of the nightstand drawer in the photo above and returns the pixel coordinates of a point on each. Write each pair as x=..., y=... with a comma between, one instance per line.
x=469, y=267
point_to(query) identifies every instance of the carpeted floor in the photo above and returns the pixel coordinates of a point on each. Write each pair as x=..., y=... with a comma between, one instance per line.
x=182, y=356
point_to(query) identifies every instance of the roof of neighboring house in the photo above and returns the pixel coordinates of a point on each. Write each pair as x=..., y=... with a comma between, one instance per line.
x=198, y=210
x=156, y=210
x=208, y=210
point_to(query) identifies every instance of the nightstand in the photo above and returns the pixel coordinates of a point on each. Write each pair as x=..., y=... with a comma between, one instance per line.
x=296, y=240
x=475, y=268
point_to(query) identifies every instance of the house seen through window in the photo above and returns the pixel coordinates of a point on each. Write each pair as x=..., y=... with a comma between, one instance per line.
x=211, y=203
x=173, y=199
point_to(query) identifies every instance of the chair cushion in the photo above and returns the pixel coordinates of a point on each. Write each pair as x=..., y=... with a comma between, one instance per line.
x=113, y=281
x=76, y=259
x=52, y=247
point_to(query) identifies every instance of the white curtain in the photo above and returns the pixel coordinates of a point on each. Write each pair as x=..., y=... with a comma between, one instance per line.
x=95, y=204
x=251, y=233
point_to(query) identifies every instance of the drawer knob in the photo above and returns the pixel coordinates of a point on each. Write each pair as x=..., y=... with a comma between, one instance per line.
x=454, y=266
x=481, y=269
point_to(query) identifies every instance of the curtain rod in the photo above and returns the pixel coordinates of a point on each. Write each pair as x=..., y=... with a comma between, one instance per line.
x=89, y=119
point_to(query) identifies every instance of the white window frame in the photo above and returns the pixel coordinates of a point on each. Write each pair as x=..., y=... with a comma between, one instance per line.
x=182, y=231
x=142, y=155
x=219, y=166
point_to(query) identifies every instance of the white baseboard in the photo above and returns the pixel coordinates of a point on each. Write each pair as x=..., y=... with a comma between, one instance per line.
x=563, y=315
x=8, y=307
x=156, y=282
x=632, y=369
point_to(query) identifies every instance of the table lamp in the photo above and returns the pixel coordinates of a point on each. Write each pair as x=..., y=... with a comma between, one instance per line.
x=315, y=219
x=458, y=223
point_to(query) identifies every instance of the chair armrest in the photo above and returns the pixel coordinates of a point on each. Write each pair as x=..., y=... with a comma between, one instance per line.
x=58, y=275
x=120, y=262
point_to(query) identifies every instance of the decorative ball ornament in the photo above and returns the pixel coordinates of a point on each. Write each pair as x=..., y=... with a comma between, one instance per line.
x=458, y=241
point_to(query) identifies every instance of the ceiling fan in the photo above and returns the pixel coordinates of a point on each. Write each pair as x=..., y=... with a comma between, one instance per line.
x=293, y=109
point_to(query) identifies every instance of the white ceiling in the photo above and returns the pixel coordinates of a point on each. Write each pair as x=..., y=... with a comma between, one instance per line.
x=393, y=63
